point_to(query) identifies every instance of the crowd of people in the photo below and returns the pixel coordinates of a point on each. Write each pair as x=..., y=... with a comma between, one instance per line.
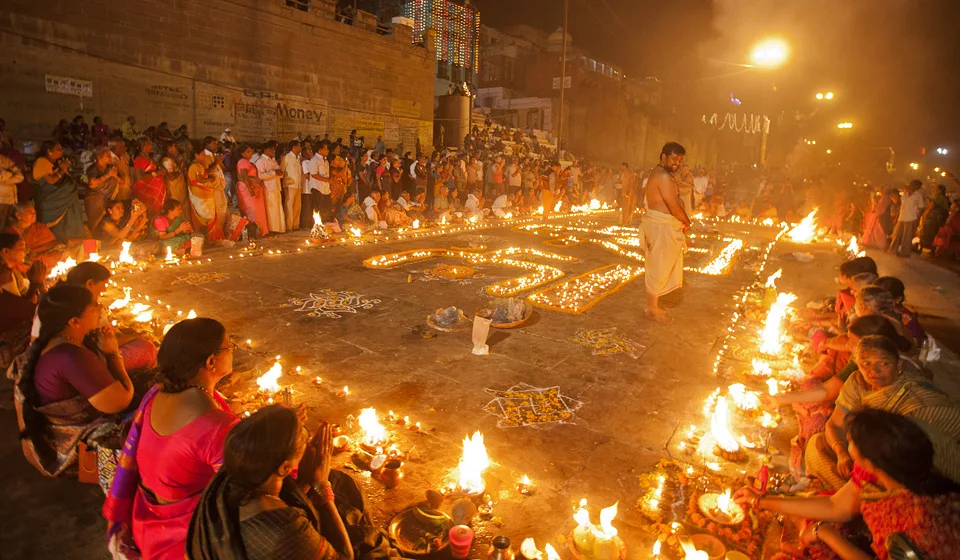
x=876, y=435
x=183, y=476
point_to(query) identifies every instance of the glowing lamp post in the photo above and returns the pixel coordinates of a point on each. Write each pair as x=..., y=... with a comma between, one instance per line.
x=770, y=53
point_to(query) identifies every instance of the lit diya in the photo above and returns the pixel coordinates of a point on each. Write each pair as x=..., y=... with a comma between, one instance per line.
x=720, y=508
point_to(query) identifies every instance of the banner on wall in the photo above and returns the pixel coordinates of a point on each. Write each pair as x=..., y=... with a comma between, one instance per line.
x=258, y=115
x=68, y=86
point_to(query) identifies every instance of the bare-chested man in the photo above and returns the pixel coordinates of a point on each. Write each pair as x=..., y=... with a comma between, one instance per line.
x=630, y=190
x=664, y=228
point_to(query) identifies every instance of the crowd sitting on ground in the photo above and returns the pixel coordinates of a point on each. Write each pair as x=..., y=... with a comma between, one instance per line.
x=875, y=433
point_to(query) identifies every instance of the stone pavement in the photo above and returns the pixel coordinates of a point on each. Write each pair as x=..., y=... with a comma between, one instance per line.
x=631, y=405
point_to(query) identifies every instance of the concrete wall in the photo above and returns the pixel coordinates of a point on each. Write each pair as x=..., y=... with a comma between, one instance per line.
x=258, y=66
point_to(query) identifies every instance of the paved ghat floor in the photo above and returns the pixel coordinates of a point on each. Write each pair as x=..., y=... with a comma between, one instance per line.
x=631, y=404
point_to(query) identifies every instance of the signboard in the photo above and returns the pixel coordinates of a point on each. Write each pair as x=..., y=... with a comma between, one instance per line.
x=258, y=115
x=369, y=129
x=567, y=82
x=68, y=86
x=391, y=132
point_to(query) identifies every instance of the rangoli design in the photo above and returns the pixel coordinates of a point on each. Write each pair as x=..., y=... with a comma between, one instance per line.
x=526, y=405
x=607, y=341
x=331, y=304
x=196, y=278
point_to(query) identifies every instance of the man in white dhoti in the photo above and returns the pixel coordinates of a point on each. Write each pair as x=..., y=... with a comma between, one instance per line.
x=664, y=228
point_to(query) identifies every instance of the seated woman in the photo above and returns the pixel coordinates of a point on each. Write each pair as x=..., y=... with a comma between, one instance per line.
x=103, y=181
x=15, y=320
x=908, y=317
x=254, y=510
x=175, y=444
x=874, y=300
x=391, y=212
x=24, y=281
x=118, y=226
x=137, y=353
x=845, y=297
x=57, y=193
x=916, y=501
x=814, y=402
x=42, y=245
x=63, y=392
x=882, y=381
x=349, y=213
x=149, y=188
x=441, y=205
x=170, y=228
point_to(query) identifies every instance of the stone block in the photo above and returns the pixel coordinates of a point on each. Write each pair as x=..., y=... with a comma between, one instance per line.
x=403, y=33
x=365, y=20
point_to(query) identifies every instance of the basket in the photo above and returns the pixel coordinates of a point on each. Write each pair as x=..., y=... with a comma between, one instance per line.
x=487, y=312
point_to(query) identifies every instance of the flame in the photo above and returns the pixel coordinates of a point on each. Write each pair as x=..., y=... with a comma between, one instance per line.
x=767, y=222
x=144, y=316
x=192, y=314
x=772, y=280
x=594, y=204
x=316, y=219
x=747, y=400
x=121, y=303
x=473, y=219
x=772, y=386
x=551, y=552
x=556, y=207
x=62, y=268
x=761, y=368
x=607, y=516
x=373, y=432
x=473, y=463
x=139, y=308
x=93, y=257
x=768, y=421
x=604, y=207
x=656, y=548
x=539, y=210
x=357, y=232
x=526, y=480
x=724, y=501
x=719, y=427
x=772, y=337
x=443, y=220
x=508, y=215
x=582, y=516
x=416, y=224
x=806, y=230
x=125, y=257
x=170, y=257
x=528, y=549
x=854, y=248
x=268, y=381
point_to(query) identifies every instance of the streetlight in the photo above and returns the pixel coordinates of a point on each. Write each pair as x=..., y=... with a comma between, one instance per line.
x=770, y=53
x=915, y=166
x=829, y=152
x=845, y=125
x=829, y=95
x=943, y=151
x=821, y=96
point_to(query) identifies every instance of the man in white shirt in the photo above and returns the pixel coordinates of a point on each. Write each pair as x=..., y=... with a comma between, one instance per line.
x=316, y=186
x=293, y=184
x=269, y=171
x=514, y=176
x=911, y=206
x=504, y=203
x=473, y=206
x=700, y=183
x=372, y=211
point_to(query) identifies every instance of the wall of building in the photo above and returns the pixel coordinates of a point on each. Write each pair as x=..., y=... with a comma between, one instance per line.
x=258, y=66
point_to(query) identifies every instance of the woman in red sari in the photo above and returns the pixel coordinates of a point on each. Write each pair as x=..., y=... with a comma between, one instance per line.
x=175, y=444
x=149, y=187
x=895, y=455
x=250, y=191
x=203, y=198
x=42, y=245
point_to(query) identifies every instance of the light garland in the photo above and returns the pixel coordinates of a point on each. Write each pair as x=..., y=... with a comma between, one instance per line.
x=579, y=294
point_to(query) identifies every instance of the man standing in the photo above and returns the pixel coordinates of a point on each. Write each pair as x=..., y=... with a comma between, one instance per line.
x=911, y=205
x=628, y=186
x=664, y=230
x=293, y=184
x=379, y=146
x=129, y=129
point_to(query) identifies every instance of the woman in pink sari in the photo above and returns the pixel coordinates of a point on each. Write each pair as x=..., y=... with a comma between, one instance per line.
x=876, y=224
x=175, y=444
x=250, y=190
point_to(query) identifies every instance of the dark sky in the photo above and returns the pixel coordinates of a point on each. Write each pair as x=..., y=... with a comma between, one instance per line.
x=893, y=64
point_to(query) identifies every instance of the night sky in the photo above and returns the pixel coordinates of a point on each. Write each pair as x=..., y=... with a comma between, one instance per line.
x=894, y=65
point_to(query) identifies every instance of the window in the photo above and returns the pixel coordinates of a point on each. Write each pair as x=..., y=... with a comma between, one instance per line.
x=302, y=5
x=218, y=102
x=443, y=72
